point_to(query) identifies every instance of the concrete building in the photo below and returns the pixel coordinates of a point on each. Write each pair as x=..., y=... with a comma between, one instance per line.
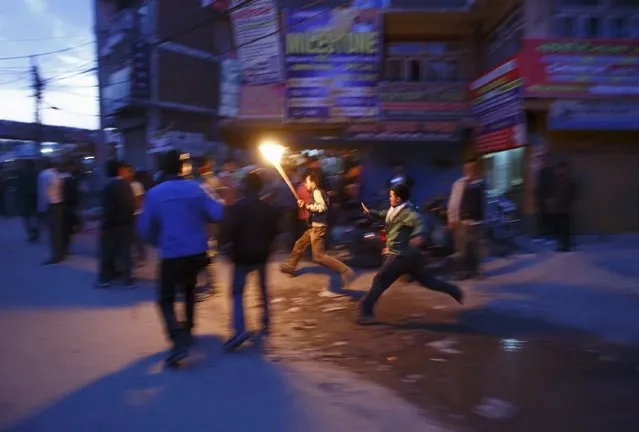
x=158, y=64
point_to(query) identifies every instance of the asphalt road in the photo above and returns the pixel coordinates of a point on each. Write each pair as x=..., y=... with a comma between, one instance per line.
x=84, y=359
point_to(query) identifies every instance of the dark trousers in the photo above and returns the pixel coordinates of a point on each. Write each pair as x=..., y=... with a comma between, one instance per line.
x=31, y=221
x=467, y=243
x=178, y=273
x=55, y=221
x=393, y=268
x=563, y=231
x=115, y=253
x=69, y=224
x=545, y=222
x=138, y=242
x=240, y=274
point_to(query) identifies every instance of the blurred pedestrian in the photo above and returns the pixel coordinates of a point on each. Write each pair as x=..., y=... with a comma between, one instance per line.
x=116, y=232
x=28, y=191
x=564, y=198
x=249, y=229
x=314, y=236
x=544, y=200
x=175, y=218
x=129, y=174
x=405, y=231
x=50, y=205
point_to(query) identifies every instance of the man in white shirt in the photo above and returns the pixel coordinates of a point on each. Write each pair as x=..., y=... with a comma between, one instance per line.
x=128, y=173
x=465, y=219
x=50, y=205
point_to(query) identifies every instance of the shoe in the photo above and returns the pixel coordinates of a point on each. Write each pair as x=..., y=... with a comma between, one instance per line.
x=286, y=269
x=178, y=353
x=365, y=319
x=329, y=294
x=457, y=294
x=237, y=341
x=348, y=278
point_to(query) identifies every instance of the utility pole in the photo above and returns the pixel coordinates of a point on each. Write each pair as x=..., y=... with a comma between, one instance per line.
x=37, y=84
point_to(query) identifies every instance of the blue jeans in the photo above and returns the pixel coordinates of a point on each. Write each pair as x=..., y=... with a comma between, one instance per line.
x=240, y=273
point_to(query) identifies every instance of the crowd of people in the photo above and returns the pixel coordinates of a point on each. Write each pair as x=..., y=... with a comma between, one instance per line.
x=192, y=214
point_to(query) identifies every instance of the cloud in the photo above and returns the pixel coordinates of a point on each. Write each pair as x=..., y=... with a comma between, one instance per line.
x=37, y=6
x=59, y=28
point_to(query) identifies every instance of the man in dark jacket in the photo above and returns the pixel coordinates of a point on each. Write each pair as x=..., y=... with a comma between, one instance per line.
x=248, y=230
x=28, y=191
x=544, y=200
x=564, y=197
x=116, y=236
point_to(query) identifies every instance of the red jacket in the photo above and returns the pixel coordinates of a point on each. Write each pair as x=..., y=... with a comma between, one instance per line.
x=305, y=196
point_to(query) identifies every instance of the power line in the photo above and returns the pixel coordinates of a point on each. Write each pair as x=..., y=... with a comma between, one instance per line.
x=39, y=39
x=59, y=51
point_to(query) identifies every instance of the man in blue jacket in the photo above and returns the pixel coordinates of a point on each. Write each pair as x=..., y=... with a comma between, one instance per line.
x=174, y=218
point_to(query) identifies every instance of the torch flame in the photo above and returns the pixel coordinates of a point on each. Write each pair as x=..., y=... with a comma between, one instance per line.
x=272, y=152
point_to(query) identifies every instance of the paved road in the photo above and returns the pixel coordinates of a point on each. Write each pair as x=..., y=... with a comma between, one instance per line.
x=80, y=359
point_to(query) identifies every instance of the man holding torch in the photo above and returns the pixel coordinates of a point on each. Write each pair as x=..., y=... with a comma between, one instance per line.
x=317, y=208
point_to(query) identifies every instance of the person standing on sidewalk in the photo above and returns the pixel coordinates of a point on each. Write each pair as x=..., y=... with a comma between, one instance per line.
x=564, y=197
x=212, y=186
x=405, y=232
x=175, y=218
x=314, y=236
x=116, y=231
x=50, y=205
x=466, y=219
x=544, y=195
x=28, y=190
x=248, y=230
x=71, y=202
x=138, y=191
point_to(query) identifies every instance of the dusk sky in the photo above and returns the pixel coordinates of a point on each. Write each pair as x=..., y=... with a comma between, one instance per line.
x=30, y=27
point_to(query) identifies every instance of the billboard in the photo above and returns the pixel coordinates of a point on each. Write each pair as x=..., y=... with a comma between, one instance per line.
x=497, y=105
x=332, y=61
x=404, y=131
x=422, y=101
x=229, y=88
x=255, y=27
x=567, y=114
x=559, y=68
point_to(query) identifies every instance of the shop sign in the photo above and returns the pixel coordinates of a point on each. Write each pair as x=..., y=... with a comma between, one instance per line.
x=262, y=102
x=559, y=68
x=404, y=131
x=256, y=27
x=332, y=62
x=497, y=105
x=423, y=101
x=230, y=88
x=593, y=115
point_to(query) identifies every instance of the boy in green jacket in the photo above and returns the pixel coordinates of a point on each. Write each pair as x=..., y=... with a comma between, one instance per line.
x=404, y=235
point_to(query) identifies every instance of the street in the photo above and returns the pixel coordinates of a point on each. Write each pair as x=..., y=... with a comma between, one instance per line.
x=545, y=342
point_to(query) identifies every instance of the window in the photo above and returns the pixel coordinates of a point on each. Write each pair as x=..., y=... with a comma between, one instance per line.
x=394, y=70
x=619, y=28
x=566, y=26
x=414, y=70
x=592, y=27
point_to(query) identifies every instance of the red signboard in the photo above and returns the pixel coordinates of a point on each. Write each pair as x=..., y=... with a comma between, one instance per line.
x=560, y=68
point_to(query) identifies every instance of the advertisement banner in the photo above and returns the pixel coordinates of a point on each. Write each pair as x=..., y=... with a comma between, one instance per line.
x=404, y=131
x=422, y=101
x=497, y=105
x=262, y=102
x=332, y=61
x=229, y=88
x=559, y=68
x=255, y=28
x=593, y=115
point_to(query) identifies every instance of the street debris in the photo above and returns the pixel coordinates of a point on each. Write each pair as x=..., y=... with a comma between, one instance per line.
x=445, y=346
x=329, y=294
x=495, y=409
x=305, y=325
x=391, y=358
x=333, y=309
x=340, y=343
x=412, y=378
x=293, y=309
x=438, y=360
x=277, y=300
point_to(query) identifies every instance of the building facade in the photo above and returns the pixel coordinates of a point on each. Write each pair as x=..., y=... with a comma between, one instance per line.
x=158, y=67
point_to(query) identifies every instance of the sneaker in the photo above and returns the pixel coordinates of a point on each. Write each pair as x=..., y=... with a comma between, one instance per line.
x=178, y=353
x=457, y=294
x=237, y=341
x=287, y=269
x=365, y=319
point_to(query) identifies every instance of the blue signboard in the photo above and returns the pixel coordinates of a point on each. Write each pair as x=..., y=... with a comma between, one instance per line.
x=593, y=115
x=332, y=61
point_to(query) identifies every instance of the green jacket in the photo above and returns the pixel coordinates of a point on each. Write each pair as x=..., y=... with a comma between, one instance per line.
x=408, y=223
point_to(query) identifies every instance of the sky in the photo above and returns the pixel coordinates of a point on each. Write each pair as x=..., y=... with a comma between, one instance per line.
x=29, y=27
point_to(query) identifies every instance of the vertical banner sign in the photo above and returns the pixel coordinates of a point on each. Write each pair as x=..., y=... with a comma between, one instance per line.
x=229, y=88
x=332, y=65
x=255, y=27
x=497, y=104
